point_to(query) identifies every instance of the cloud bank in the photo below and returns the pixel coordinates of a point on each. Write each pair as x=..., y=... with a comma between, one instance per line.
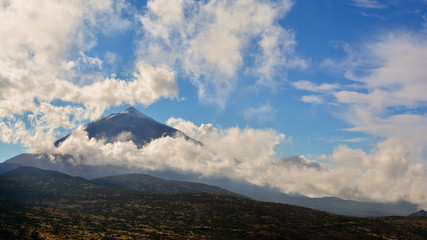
x=221, y=154
x=387, y=174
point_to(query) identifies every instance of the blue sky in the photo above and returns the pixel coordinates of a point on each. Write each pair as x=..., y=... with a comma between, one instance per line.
x=343, y=80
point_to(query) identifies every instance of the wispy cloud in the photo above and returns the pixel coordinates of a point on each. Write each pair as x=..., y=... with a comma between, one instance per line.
x=323, y=90
x=310, y=86
x=368, y=4
x=312, y=99
x=353, y=140
x=262, y=113
x=390, y=77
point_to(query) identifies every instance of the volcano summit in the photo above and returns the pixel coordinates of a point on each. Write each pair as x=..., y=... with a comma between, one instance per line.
x=128, y=125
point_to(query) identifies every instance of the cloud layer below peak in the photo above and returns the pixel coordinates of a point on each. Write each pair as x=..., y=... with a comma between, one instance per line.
x=387, y=174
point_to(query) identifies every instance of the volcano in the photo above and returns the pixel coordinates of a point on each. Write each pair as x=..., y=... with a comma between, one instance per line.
x=129, y=125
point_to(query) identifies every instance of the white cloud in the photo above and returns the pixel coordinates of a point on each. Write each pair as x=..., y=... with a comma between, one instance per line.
x=222, y=152
x=390, y=75
x=391, y=90
x=209, y=41
x=310, y=86
x=312, y=99
x=368, y=4
x=44, y=59
x=45, y=120
x=388, y=102
x=90, y=62
x=162, y=16
x=354, y=140
x=389, y=170
x=323, y=89
x=262, y=113
x=188, y=128
x=110, y=58
x=300, y=162
x=400, y=78
x=257, y=143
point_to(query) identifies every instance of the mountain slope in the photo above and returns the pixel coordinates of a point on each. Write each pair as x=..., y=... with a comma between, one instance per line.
x=420, y=213
x=328, y=204
x=35, y=179
x=334, y=205
x=66, y=164
x=61, y=206
x=33, y=184
x=128, y=125
x=149, y=184
x=6, y=167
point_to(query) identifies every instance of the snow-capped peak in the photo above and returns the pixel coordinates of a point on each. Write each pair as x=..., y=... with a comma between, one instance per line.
x=132, y=111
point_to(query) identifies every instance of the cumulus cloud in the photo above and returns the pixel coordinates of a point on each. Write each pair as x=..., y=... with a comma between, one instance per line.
x=257, y=143
x=209, y=41
x=300, y=162
x=392, y=169
x=222, y=152
x=34, y=57
x=49, y=80
x=149, y=84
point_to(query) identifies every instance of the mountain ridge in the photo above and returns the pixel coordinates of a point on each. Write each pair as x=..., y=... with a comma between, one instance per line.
x=332, y=205
x=41, y=204
x=135, y=182
x=151, y=184
x=6, y=167
x=420, y=213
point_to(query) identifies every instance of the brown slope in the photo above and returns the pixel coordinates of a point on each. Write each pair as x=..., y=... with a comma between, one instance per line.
x=82, y=210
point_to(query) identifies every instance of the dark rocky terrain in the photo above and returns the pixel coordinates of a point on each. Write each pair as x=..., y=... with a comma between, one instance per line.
x=420, y=213
x=41, y=204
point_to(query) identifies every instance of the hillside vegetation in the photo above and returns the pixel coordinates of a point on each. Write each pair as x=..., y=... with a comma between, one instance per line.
x=39, y=204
